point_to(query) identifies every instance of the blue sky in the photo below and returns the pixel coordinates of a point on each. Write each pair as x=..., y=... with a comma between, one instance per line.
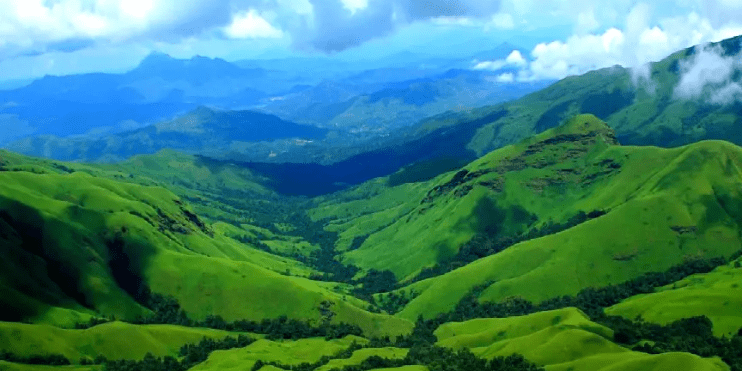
x=560, y=37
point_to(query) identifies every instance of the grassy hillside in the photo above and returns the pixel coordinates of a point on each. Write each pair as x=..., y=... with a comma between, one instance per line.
x=716, y=295
x=560, y=340
x=662, y=207
x=7, y=366
x=115, y=340
x=641, y=114
x=82, y=240
x=556, y=175
x=289, y=353
x=78, y=245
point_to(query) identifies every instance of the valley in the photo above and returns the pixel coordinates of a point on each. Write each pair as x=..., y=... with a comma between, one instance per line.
x=585, y=224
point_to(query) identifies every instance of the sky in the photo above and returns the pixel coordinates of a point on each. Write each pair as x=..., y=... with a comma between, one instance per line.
x=559, y=37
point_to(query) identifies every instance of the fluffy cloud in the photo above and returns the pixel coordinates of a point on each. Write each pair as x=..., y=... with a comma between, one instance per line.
x=514, y=59
x=39, y=25
x=326, y=25
x=501, y=21
x=615, y=32
x=634, y=45
x=335, y=27
x=506, y=78
x=709, y=75
x=250, y=25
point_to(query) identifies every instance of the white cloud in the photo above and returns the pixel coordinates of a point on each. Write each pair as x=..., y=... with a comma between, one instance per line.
x=514, y=59
x=586, y=22
x=709, y=75
x=506, y=78
x=355, y=5
x=501, y=21
x=454, y=21
x=611, y=32
x=40, y=26
x=251, y=25
x=577, y=55
x=634, y=45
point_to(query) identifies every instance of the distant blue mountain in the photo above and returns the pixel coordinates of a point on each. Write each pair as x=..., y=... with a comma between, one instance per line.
x=159, y=88
x=384, y=107
x=202, y=130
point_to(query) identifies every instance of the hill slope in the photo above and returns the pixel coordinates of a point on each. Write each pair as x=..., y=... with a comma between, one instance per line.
x=592, y=213
x=76, y=245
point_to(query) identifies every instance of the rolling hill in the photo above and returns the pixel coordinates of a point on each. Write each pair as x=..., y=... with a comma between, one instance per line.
x=77, y=245
x=518, y=236
x=651, y=208
x=83, y=241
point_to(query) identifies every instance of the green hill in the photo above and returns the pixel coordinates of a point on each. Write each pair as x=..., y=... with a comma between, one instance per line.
x=288, y=353
x=548, y=179
x=561, y=340
x=716, y=295
x=82, y=240
x=661, y=206
x=115, y=340
x=640, y=115
x=77, y=245
x=540, y=217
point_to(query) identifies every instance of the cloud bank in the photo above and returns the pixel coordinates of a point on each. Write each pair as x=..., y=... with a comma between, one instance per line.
x=612, y=32
x=38, y=26
x=710, y=75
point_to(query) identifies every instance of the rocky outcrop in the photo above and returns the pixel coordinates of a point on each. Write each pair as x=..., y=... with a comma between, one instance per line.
x=551, y=151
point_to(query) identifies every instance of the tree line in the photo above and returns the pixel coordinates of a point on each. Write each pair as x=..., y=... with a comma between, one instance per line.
x=190, y=355
x=166, y=310
x=693, y=335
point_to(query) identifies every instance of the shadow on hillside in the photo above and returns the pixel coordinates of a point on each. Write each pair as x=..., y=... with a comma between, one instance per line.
x=442, y=150
x=491, y=223
x=51, y=262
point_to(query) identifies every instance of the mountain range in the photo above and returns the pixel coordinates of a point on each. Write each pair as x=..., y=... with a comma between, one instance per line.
x=595, y=224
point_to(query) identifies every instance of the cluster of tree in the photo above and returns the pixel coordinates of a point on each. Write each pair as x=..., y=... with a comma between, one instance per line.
x=485, y=244
x=394, y=302
x=422, y=352
x=375, y=281
x=254, y=242
x=590, y=300
x=167, y=310
x=36, y=359
x=443, y=359
x=357, y=242
x=190, y=355
x=92, y=322
x=306, y=366
x=693, y=335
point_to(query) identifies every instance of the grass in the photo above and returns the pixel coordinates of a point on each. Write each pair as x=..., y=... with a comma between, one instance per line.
x=237, y=290
x=544, y=338
x=563, y=339
x=635, y=361
x=288, y=352
x=114, y=340
x=655, y=191
x=7, y=366
x=716, y=295
x=85, y=243
x=362, y=354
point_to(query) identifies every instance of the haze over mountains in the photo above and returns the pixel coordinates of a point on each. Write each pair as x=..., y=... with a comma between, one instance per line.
x=304, y=90
x=408, y=213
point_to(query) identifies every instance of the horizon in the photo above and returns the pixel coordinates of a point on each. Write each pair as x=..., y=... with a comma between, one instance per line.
x=65, y=37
